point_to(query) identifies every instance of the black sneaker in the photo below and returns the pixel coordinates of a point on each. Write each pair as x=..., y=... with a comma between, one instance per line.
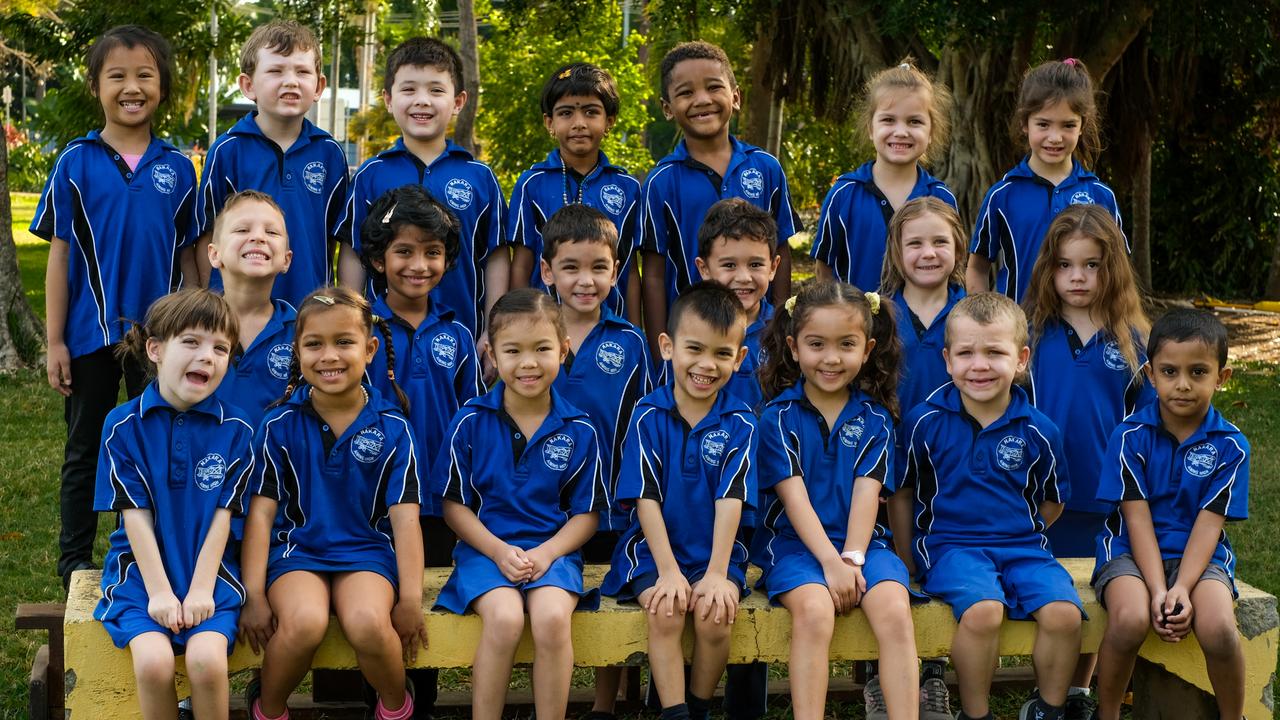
x=1080, y=707
x=184, y=710
x=252, y=693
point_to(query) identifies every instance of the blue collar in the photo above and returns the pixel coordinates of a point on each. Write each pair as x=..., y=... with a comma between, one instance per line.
x=1078, y=173
x=864, y=175
x=725, y=404
x=948, y=397
x=553, y=161
x=378, y=403
x=561, y=410
x=248, y=125
x=436, y=312
x=765, y=314
x=450, y=149
x=740, y=151
x=795, y=393
x=152, y=399
x=154, y=148
x=1213, y=423
x=955, y=293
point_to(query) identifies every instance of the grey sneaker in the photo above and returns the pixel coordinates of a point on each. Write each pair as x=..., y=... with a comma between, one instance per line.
x=935, y=701
x=184, y=710
x=873, y=696
x=1079, y=707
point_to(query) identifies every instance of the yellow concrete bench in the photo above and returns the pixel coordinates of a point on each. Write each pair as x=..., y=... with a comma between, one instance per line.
x=99, y=678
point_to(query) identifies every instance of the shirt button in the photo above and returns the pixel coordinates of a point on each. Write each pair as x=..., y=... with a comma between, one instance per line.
x=417, y=361
x=519, y=436
x=982, y=456
x=324, y=428
x=180, y=420
x=883, y=203
x=128, y=175
x=288, y=176
x=116, y=157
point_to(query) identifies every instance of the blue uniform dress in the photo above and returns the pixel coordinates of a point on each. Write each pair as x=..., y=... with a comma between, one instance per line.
x=923, y=368
x=1016, y=214
x=541, y=191
x=125, y=228
x=258, y=376
x=524, y=490
x=463, y=184
x=183, y=467
x=853, y=225
x=606, y=378
x=796, y=442
x=1209, y=471
x=979, y=533
x=438, y=370
x=308, y=181
x=335, y=493
x=686, y=470
x=1088, y=387
x=679, y=191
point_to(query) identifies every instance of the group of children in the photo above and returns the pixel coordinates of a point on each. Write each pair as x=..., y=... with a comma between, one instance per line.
x=303, y=449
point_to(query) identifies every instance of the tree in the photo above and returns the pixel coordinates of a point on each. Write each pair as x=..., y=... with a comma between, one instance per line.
x=464, y=129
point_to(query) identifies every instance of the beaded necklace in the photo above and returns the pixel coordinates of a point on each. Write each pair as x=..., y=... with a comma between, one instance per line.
x=582, y=186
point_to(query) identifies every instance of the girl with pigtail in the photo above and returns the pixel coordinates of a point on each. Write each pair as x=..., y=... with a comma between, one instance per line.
x=826, y=457
x=334, y=517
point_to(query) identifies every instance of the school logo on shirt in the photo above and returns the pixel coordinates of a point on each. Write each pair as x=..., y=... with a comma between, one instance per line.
x=1112, y=357
x=713, y=447
x=612, y=198
x=610, y=357
x=210, y=471
x=1011, y=452
x=165, y=178
x=556, y=451
x=313, y=176
x=444, y=350
x=459, y=193
x=367, y=446
x=851, y=431
x=752, y=181
x=279, y=360
x=1201, y=460
x=1081, y=197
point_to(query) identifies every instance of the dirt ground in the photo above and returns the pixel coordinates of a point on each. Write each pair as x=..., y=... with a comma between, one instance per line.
x=1255, y=336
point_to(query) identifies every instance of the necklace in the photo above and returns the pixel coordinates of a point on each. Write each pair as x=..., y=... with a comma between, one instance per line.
x=582, y=187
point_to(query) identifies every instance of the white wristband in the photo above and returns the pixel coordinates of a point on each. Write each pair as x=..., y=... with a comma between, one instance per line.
x=854, y=556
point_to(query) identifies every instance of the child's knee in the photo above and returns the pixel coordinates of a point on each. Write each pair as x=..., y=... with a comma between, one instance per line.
x=1059, y=618
x=708, y=630
x=666, y=625
x=206, y=664
x=984, y=617
x=153, y=669
x=550, y=623
x=303, y=625
x=367, y=627
x=812, y=613
x=504, y=623
x=1217, y=635
x=1128, y=624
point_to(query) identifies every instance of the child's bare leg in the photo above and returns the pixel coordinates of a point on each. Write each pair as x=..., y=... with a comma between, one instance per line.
x=363, y=601
x=502, y=612
x=813, y=620
x=666, y=657
x=1215, y=626
x=207, y=670
x=300, y=602
x=550, y=616
x=975, y=652
x=710, y=651
x=1056, y=650
x=888, y=609
x=1083, y=675
x=153, y=668
x=1128, y=621
x=608, y=680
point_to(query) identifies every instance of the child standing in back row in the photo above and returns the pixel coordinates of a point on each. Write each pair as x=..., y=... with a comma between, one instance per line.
x=907, y=118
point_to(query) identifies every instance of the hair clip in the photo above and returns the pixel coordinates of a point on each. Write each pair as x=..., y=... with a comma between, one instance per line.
x=904, y=66
x=387, y=218
x=873, y=299
x=1072, y=62
x=564, y=75
x=790, y=304
x=325, y=299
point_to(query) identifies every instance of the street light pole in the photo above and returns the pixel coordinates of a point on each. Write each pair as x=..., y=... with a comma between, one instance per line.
x=213, y=74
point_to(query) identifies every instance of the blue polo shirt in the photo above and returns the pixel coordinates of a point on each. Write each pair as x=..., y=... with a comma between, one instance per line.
x=686, y=470
x=524, y=489
x=745, y=383
x=795, y=441
x=606, y=378
x=1088, y=387
x=1209, y=471
x=853, y=226
x=125, y=228
x=464, y=185
x=258, y=376
x=1016, y=214
x=335, y=493
x=541, y=191
x=183, y=467
x=308, y=181
x=923, y=368
x=437, y=368
x=679, y=191
x=975, y=486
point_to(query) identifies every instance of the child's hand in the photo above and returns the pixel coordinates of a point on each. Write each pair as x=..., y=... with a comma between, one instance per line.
x=675, y=591
x=514, y=564
x=165, y=609
x=719, y=598
x=846, y=585
x=1177, y=612
x=58, y=367
x=257, y=624
x=197, y=607
x=541, y=560
x=406, y=618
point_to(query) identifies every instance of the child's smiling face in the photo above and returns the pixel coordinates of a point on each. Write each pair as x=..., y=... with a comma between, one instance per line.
x=703, y=359
x=745, y=265
x=413, y=264
x=984, y=359
x=423, y=100
x=128, y=87
x=251, y=241
x=579, y=124
x=528, y=351
x=701, y=98
x=189, y=365
x=582, y=273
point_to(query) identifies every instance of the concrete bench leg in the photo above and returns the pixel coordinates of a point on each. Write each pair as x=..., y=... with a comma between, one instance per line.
x=1161, y=695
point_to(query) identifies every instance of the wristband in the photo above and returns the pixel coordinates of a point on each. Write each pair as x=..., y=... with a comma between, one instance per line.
x=854, y=556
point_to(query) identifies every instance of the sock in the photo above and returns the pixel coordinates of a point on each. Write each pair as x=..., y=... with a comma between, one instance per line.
x=932, y=669
x=1078, y=691
x=259, y=715
x=404, y=712
x=699, y=708
x=675, y=712
x=1042, y=710
x=988, y=716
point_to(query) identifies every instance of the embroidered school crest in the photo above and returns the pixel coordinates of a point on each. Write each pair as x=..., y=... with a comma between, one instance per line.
x=279, y=359
x=367, y=446
x=556, y=451
x=313, y=176
x=713, y=447
x=1112, y=357
x=458, y=193
x=165, y=178
x=612, y=198
x=210, y=472
x=1201, y=460
x=752, y=182
x=1011, y=452
x=610, y=357
x=444, y=350
x=1081, y=197
x=851, y=431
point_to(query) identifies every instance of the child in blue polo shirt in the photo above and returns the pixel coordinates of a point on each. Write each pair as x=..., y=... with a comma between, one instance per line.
x=989, y=474
x=333, y=522
x=689, y=467
x=116, y=211
x=1175, y=471
x=175, y=463
x=422, y=87
x=277, y=150
x=1058, y=114
x=907, y=118
x=579, y=107
x=522, y=486
x=700, y=94
x=826, y=457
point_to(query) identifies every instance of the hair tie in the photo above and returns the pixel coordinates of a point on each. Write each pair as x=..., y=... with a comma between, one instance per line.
x=904, y=66
x=873, y=299
x=790, y=304
x=1071, y=62
x=387, y=218
x=564, y=75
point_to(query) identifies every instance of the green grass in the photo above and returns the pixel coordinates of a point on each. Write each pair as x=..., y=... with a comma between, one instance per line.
x=33, y=253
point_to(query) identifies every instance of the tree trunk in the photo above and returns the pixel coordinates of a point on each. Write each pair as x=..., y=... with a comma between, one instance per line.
x=1273, y=278
x=1140, y=237
x=21, y=332
x=464, y=132
x=760, y=95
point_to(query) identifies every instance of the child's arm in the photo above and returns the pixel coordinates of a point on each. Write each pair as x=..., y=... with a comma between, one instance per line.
x=862, y=522
x=720, y=592
x=672, y=585
x=497, y=276
x=1050, y=511
x=56, y=299
x=1201, y=545
x=406, y=616
x=201, y=256
x=654, y=292
x=901, y=525
x=162, y=605
x=256, y=620
x=521, y=267
x=635, y=296
x=198, y=605
x=572, y=536
x=511, y=560
x=841, y=579
x=782, y=279
x=1146, y=554
x=977, y=276
x=350, y=269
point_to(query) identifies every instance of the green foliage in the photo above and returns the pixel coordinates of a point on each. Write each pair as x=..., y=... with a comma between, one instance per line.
x=816, y=152
x=29, y=165
x=521, y=53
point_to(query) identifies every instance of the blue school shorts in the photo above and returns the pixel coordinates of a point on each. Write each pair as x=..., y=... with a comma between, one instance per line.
x=474, y=575
x=802, y=568
x=1023, y=578
x=135, y=621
